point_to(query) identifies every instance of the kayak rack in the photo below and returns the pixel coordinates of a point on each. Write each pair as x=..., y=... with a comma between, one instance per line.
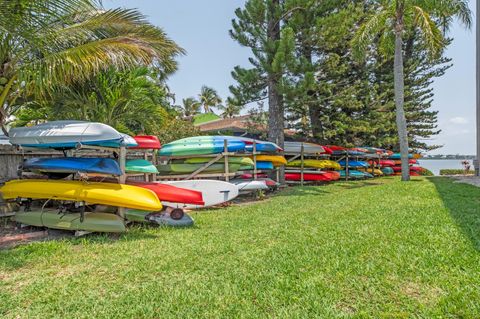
x=214, y=158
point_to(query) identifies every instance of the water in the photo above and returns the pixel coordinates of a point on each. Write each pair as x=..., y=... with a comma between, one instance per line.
x=435, y=165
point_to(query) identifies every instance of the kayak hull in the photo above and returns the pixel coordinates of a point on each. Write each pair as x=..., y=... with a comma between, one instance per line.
x=140, y=166
x=92, y=222
x=146, y=142
x=105, y=166
x=172, y=193
x=90, y=192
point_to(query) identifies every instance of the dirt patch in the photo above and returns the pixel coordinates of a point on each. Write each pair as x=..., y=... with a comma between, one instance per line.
x=424, y=294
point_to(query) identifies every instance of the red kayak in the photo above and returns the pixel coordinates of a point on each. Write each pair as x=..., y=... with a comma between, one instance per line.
x=412, y=168
x=171, y=193
x=336, y=148
x=383, y=163
x=147, y=142
x=335, y=176
x=327, y=149
x=309, y=177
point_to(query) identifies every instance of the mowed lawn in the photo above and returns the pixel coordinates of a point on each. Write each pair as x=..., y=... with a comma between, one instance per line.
x=376, y=249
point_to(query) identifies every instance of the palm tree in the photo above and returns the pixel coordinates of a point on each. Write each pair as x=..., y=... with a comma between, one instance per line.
x=230, y=109
x=190, y=107
x=46, y=43
x=391, y=20
x=209, y=98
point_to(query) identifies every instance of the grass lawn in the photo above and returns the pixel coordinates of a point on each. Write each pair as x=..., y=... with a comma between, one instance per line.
x=379, y=249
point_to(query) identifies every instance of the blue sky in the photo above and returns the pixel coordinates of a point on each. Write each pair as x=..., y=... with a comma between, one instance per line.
x=201, y=28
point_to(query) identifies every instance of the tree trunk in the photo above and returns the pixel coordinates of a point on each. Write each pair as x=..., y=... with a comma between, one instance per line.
x=275, y=98
x=399, y=86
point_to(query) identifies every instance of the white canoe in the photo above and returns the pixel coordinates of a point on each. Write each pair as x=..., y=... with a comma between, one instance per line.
x=67, y=134
x=213, y=192
x=308, y=148
x=249, y=186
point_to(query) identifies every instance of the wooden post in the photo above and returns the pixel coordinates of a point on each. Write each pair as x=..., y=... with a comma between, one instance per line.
x=302, y=164
x=347, y=169
x=225, y=150
x=254, y=160
x=146, y=175
x=154, y=161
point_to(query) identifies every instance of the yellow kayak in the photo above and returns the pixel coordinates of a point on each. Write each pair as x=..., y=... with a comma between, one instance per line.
x=93, y=193
x=315, y=164
x=277, y=160
x=376, y=171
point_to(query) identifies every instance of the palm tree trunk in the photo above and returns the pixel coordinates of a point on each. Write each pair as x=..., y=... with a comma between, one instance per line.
x=399, y=86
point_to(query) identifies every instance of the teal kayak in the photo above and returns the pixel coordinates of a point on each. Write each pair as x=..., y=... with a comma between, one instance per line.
x=353, y=174
x=190, y=168
x=140, y=166
x=202, y=145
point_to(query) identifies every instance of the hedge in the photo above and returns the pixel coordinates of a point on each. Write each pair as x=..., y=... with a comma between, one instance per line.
x=455, y=172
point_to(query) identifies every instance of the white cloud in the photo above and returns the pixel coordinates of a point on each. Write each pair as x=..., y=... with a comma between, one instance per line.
x=458, y=120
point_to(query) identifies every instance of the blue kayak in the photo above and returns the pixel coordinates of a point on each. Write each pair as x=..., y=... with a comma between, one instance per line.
x=202, y=145
x=354, y=163
x=262, y=165
x=397, y=156
x=353, y=174
x=106, y=166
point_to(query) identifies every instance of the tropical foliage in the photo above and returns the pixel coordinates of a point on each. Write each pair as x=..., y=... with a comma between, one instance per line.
x=209, y=98
x=49, y=43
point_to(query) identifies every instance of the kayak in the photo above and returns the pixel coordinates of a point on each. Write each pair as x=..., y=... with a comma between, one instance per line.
x=147, y=142
x=334, y=175
x=383, y=163
x=171, y=193
x=353, y=174
x=352, y=163
x=140, y=166
x=261, y=146
x=315, y=164
x=213, y=192
x=249, y=186
x=231, y=160
x=92, y=222
x=90, y=192
x=261, y=165
x=388, y=171
x=190, y=168
x=159, y=218
x=376, y=171
x=67, y=134
x=410, y=161
x=398, y=156
x=72, y=165
x=412, y=168
x=309, y=177
x=202, y=145
x=277, y=160
x=308, y=148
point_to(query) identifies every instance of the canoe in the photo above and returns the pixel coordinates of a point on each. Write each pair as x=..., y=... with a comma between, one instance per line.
x=354, y=164
x=309, y=177
x=140, y=166
x=92, y=222
x=71, y=165
x=171, y=193
x=315, y=164
x=66, y=135
x=146, y=142
x=161, y=219
x=277, y=160
x=249, y=186
x=308, y=148
x=231, y=160
x=202, y=145
x=90, y=192
x=213, y=192
x=170, y=169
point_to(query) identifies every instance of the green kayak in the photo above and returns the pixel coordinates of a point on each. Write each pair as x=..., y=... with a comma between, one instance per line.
x=93, y=222
x=161, y=219
x=190, y=168
x=140, y=166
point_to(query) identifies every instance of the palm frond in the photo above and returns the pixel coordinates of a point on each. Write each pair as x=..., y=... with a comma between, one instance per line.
x=429, y=31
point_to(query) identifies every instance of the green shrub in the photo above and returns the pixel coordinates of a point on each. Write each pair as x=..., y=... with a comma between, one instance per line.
x=426, y=172
x=454, y=172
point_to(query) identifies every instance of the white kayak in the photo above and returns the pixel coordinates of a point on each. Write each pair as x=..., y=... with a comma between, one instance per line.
x=213, y=192
x=249, y=186
x=308, y=148
x=67, y=134
x=3, y=139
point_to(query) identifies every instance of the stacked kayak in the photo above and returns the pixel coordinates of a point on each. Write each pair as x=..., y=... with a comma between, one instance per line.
x=354, y=164
x=202, y=145
x=69, y=134
x=72, y=165
x=308, y=148
x=146, y=142
x=140, y=166
x=319, y=176
x=354, y=174
x=174, y=169
x=313, y=163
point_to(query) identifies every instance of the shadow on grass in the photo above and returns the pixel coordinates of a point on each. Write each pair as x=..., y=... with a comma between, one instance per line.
x=298, y=190
x=358, y=184
x=463, y=203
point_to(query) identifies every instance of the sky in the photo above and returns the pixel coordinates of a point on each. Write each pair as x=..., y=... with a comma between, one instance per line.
x=201, y=28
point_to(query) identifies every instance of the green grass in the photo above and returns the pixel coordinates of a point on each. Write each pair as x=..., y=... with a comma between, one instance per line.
x=376, y=249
